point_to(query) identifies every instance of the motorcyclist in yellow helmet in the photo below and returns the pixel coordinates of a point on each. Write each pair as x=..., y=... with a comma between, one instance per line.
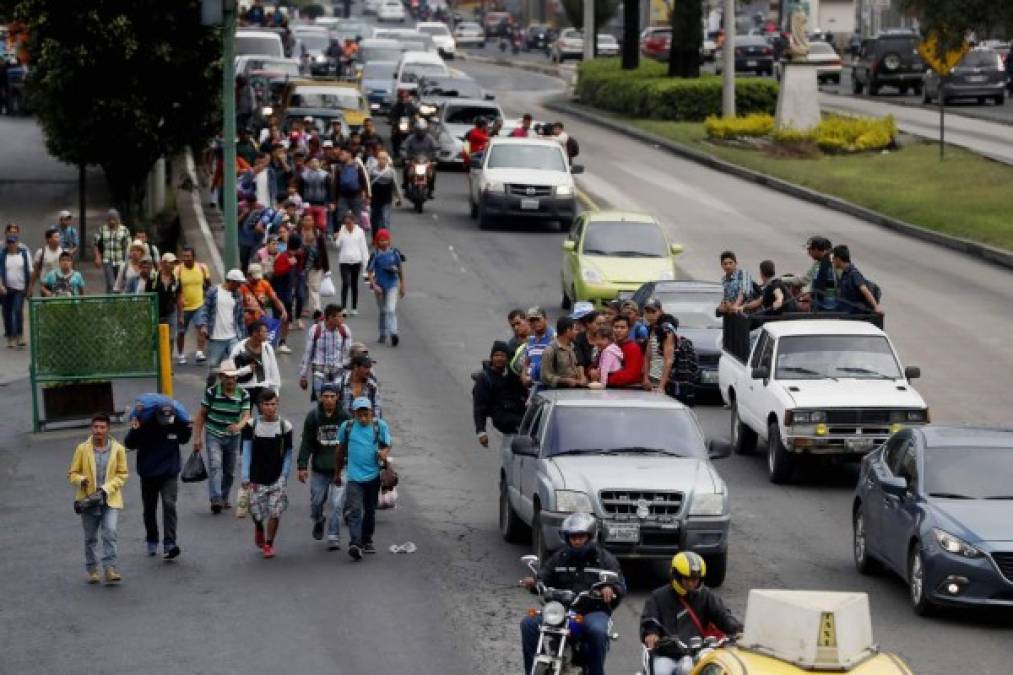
x=683, y=608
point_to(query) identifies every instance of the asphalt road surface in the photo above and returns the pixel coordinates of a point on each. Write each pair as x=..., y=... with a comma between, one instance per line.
x=453, y=607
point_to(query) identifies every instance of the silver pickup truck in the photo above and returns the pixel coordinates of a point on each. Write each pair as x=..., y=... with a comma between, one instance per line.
x=635, y=460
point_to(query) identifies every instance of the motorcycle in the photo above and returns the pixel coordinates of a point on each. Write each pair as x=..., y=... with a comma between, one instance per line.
x=559, y=649
x=399, y=133
x=690, y=654
x=417, y=188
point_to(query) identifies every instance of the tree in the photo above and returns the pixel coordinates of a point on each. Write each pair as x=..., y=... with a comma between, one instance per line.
x=687, y=39
x=603, y=11
x=120, y=83
x=953, y=20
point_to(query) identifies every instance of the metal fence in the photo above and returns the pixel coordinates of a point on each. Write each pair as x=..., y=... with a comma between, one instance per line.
x=92, y=338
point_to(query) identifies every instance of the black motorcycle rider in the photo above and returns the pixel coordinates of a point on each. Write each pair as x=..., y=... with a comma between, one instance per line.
x=421, y=144
x=685, y=609
x=405, y=106
x=576, y=567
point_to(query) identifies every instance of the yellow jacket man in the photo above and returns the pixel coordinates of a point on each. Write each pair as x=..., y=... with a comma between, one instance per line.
x=99, y=471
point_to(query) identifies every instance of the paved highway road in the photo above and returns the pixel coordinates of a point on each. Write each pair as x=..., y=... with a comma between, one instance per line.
x=453, y=607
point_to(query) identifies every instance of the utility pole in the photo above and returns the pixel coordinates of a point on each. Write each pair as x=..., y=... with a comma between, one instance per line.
x=231, y=248
x=728, y=70
x=82, y=206
x=631, y=33
x=589, y=30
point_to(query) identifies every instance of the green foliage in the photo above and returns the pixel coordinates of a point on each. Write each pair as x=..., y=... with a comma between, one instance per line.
x=844, y=135
x=94, y=336
x=952, y=20
x=120, y=83
x=648, y=92
x=603, y=11
x=739, y=127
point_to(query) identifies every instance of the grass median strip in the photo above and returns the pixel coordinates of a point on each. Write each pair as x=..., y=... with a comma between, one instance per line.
x=964, y=195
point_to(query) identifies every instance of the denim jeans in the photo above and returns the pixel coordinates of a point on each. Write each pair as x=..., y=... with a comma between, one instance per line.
x=111, y=271
x=219, y=350
x=14, y=316
x=386, y=305
x=596, y=641
x=327, y=501
x=379, y=216
x=353, y=204
x=151, y=490
x=221, y=464
x=100, y=520
x=360, y=510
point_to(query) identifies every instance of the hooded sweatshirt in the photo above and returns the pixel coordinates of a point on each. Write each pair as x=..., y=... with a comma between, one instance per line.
x=157, y=447
x=320, y=439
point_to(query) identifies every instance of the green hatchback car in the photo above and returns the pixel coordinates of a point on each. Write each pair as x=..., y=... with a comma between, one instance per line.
x=611, y=251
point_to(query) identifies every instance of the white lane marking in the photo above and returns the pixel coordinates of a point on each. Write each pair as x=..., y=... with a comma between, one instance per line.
x=670, y=183
x=603, y=190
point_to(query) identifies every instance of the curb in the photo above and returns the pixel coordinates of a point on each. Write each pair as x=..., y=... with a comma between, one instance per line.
x=975, y=249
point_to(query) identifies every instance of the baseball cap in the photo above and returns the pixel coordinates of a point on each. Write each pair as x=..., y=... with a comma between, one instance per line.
x=653, y=302
x=169, y=257
x=328, y=144
x=66, y=214
x=362, y=403
x=235, y=275
x=112, y=213
x=308, y=118
x=536, y=313
x=581, y=309
x=255, y=270
x=331, y=387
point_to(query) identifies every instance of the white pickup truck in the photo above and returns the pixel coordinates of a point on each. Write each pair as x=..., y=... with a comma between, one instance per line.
x=808, y=386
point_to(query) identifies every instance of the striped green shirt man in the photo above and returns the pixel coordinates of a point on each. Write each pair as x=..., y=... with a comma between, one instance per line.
x=223, y=409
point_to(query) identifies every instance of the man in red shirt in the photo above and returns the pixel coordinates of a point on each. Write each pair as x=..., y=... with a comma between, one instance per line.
x=524, y=130
x=477, y=138
x=632, y=372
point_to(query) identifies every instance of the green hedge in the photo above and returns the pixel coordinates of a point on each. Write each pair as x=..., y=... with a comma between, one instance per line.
x=648, y=92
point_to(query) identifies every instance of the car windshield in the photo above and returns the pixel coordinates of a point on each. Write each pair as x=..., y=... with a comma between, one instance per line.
x=315, y=42
x=809, y=357
x=470, y=27
x=897, y=42
x=606, y=39
x=412, y=72
x=282, y=66
x=820, y=48
x=624, y=240
x=321, y=124
x=980, y=58
x=624, y=429
x=518, y=156
x=378, y=70
x=969, y=473
x=337, y=98
x=258, y=44
x=433, y=30
x=693, y=310
x=466, y=114
x=378, y=54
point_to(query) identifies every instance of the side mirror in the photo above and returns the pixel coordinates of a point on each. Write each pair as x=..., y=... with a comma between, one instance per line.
x=569, y=245
x=895, y=486
x=677, y=249
x=576, y=168
x=523, y=445
x=719, y=449
x=912, y=372
x=528, y=559
x=761, y=373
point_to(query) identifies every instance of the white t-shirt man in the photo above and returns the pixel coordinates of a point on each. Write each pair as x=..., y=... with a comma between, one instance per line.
x=225, y=320
x=16, y=279
x=48, y=259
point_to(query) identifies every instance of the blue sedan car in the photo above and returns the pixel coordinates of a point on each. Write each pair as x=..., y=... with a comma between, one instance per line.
x=934, y=504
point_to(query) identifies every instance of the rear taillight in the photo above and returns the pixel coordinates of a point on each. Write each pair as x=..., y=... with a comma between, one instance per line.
x=767, y=51
x=835, y=62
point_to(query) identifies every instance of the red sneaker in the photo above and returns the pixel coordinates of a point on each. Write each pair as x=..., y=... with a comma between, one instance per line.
x=258, y=537
x=268, y=551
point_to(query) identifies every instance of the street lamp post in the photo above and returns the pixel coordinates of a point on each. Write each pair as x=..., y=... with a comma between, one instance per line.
x=231, y=248
x=728, y=70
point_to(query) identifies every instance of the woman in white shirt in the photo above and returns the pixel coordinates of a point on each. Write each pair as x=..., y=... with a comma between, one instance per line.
x=15, y=284
x=353, y=254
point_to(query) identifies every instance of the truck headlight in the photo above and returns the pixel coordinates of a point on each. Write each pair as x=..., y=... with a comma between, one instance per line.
x=707, y=504
x=494, y=186
x=954, y=545
x=901, y=416
x=571, y=501
x=564, y=190
x=591, y=275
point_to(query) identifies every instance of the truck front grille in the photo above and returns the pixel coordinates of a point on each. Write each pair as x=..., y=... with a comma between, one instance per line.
x=662, y=505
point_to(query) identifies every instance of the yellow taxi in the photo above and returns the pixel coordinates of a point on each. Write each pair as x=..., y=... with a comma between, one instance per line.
x=796, y=632
x=330, y=94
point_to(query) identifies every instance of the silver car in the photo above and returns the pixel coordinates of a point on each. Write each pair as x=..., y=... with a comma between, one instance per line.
x=456, y=118
x=636, y=460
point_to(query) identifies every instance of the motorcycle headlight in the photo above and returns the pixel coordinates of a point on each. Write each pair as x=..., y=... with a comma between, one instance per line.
x=320, y=58
x=954, y=545
x=420, y=170
x=553, y=614
x=427, y=109
x=267, y=111
x=494, y=186
x=707, y=504
x=591, y=275
x=571, y=501
x=564, y=190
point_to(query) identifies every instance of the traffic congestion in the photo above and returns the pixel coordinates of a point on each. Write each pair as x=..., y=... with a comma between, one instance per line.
x=603, y=433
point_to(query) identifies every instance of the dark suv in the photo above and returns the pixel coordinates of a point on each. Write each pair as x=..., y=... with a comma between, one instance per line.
x=981, y=74
x=889, y=59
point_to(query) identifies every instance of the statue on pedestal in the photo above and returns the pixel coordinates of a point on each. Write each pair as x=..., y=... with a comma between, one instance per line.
x=798, y=47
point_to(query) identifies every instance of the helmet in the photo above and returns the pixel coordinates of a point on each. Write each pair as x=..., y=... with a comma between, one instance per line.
x=687, y=565
x=421, y=125
x=578, y=523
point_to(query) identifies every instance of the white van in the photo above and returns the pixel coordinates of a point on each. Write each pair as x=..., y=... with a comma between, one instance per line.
x=259, y=43
x=414, y=65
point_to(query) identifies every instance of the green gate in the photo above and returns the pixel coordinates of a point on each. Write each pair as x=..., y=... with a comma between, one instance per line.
x=92, y=338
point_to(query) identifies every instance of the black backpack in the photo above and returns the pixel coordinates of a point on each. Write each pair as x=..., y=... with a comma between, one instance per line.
x=572, y=147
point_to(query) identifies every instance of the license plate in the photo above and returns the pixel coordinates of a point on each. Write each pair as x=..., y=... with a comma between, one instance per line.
x=858, y=444
x=976, y=78
x=709, y=377
x=529, y=204
x=751, y=64
x=622, y=533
